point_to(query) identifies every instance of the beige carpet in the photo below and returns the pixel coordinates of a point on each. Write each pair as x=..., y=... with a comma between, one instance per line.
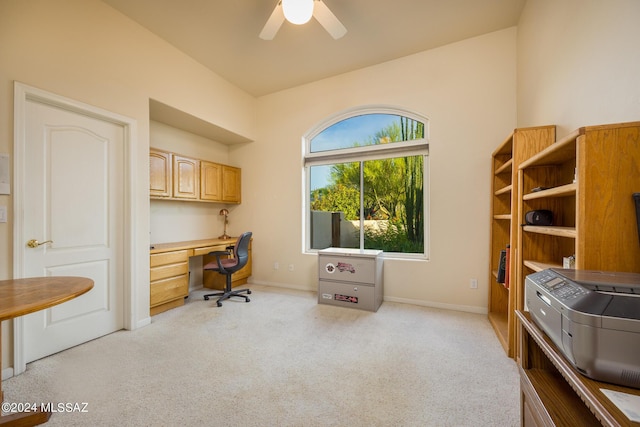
x=283, y=360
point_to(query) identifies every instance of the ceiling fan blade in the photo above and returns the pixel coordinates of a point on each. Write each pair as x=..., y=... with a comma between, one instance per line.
x=273, y=23
x=328, y=20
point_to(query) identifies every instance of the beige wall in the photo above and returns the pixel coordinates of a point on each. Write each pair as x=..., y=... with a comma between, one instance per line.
x=85, y=50
x=578, y=63
x=467, y=90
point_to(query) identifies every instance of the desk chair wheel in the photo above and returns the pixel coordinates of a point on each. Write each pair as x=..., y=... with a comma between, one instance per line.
x=206, y=298
x=248, y=292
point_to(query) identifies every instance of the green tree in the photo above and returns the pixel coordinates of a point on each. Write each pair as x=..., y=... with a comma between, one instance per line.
x=337, y=198
x=393, y=190
x=413, y=184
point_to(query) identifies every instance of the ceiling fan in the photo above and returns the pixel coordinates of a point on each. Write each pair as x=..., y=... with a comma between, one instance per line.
x=299, y=12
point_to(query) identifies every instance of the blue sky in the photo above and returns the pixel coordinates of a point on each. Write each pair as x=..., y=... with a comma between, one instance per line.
x=345, y=134
x=349, y=131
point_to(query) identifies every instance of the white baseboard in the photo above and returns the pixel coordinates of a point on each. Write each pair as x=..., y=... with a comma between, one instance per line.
x=422, y=303
x=7, y=373
x=284, y=285
x=454, y=307
x=143, y=322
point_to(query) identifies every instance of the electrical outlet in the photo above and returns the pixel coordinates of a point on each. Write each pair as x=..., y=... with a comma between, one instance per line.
x=290, y=267
x=473, y=284
x=276, y=265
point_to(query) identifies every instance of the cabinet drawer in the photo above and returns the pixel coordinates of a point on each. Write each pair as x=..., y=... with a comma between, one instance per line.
x=349, y=295
x=170, y=270
x=168, y=258
x=206, y=250
x=347, y=268
x=167, y=289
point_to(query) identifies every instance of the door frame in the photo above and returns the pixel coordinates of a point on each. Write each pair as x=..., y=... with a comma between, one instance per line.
x=22, y=94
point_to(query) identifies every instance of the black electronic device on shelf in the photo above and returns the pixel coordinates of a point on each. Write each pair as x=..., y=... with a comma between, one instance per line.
x=539, y=217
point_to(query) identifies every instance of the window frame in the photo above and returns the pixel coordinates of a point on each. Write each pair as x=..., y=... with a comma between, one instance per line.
x=362, y=154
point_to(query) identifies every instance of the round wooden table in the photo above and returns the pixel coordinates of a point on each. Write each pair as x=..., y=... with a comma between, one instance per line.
x=23, y=296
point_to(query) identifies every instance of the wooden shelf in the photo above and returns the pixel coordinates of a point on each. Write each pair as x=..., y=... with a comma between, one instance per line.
x=561, y=403
x=507, y=167
x=539, y=266
x=551, y=230
x=556, y=153
x=560, y=191
x=500, y=323
x=505, y=148
x=504, y=190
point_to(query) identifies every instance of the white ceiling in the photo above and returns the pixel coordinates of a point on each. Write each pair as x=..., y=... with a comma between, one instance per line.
x=223, y=34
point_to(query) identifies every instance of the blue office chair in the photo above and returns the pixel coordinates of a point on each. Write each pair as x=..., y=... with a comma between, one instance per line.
x=228, y=266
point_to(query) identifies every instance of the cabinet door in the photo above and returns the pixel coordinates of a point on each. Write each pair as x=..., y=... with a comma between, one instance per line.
x=186, y=177
x=231, y=185
x=210, y=181
x=159, y=174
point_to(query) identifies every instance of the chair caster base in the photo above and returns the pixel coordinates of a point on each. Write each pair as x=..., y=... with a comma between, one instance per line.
x=228, y=294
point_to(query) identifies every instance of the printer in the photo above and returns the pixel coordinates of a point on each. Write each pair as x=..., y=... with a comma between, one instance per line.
x=593, y=317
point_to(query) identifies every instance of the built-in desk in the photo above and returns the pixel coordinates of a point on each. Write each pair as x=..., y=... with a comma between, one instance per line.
x=169, y=274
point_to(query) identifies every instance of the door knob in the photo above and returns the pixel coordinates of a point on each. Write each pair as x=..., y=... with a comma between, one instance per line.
x=33, y=243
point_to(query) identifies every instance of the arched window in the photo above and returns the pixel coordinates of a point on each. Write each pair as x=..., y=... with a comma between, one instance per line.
x=366, y=176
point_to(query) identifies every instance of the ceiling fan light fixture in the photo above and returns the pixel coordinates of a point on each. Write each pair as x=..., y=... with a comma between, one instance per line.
x=297, y=11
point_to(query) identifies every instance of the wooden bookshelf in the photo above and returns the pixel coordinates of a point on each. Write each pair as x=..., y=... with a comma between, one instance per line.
x=589, y=177
x=517, y=147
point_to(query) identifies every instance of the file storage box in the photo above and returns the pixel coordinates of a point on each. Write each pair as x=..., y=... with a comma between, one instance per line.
x=350, y=278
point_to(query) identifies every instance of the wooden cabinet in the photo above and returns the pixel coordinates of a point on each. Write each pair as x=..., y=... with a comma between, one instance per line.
x=517, y=147
x=231, y=184
x=210, y=181
x=219, y=183
x=169, y=280
x=176, y=177
x=160, y=182
x=552, y=392
x=586, y=180
x=215, y=280
x=186, y=177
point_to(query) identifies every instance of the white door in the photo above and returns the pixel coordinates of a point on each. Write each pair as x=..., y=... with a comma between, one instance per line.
x=73, y=205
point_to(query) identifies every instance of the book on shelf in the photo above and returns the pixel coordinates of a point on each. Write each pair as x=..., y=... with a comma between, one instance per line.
x=507, y=269
x=501, y=266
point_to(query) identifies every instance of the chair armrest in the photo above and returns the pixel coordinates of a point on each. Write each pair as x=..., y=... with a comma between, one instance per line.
x=219, y=255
